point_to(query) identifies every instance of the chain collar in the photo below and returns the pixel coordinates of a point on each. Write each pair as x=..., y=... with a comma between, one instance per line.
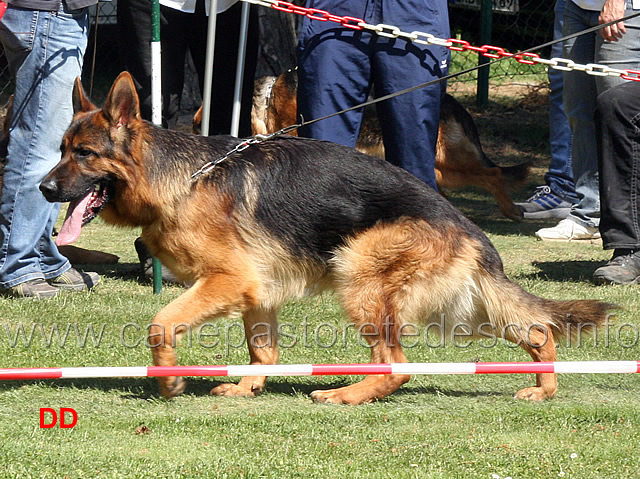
x=210, y=165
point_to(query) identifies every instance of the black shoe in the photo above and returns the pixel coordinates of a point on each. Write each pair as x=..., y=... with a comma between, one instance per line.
x=623, y=268
x=146, y=263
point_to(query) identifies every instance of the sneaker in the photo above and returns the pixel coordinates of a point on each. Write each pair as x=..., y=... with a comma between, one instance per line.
x=568, y=230
x=623, y=268
x=544, y=204
x=35, y=288
x=74, y=280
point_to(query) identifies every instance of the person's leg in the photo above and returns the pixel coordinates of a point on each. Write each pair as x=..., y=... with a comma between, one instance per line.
x=134, y=35
x=555, y=198
x=560, y=175
x=410, y=121
x=176, y=28
x=333, y=73
x=44, y=61
x=618, y=128
x=579, y=102
x=579, y=96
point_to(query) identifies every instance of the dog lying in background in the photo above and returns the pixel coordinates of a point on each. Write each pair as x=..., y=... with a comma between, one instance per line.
x=289, y=217
x=460, y=160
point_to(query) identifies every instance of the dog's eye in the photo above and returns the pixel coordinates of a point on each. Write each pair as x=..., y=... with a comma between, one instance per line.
x=83, y=153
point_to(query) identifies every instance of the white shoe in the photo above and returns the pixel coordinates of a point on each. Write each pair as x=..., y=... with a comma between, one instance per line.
x=568, y=230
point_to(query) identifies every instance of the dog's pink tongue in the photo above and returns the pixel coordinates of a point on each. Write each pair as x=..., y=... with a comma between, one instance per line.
x=72, y=225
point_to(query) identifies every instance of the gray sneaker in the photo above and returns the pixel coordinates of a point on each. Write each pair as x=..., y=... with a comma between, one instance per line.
x=623, y=268
x=74, y=280
x=35, y=288
x=544, y=204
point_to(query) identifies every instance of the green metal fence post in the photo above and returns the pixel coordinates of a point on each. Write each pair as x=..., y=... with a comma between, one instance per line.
x=156, y=108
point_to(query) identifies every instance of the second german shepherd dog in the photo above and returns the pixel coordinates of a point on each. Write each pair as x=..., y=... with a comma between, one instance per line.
x=288, y=217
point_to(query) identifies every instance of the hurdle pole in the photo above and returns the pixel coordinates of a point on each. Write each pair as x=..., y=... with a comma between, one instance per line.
x=553, y=367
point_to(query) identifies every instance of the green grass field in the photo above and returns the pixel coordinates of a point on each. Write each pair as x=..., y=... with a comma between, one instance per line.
x=433, y=427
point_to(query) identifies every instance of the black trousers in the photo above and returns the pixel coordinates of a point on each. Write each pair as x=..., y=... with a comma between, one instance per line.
x=181, y=32
x=618, y=132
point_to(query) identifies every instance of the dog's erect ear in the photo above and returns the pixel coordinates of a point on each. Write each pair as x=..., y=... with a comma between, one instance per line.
x=122, y=104
x=80, y=100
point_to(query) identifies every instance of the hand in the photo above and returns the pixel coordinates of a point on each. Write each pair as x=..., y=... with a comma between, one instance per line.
x=612, y=10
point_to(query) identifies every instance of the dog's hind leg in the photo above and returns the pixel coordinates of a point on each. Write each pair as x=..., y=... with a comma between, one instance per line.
x=382, y=335
x=374, y=275
x=214, y=296
x=540, y=344
x=261, y=331
x=489, y=179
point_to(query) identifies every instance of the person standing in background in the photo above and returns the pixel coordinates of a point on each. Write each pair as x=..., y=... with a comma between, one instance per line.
x=617, y=46
x=184, y=28
x=555, y=198
x=44, y=42
x=338, y=67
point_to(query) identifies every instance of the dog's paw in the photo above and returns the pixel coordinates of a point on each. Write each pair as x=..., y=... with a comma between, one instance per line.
x=233, y=390
x=338, y=396
x=514, y=213
x=171, y=387
x=533, y=394
x=325, y=397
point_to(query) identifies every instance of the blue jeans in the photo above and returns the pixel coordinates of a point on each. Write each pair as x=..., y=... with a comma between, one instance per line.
x=338, y=66
x=560, y=175
x=580, y=93
x=44, y=51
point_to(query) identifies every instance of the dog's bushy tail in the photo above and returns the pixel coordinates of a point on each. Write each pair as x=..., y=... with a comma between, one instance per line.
x=510, y=308
x=572, y=318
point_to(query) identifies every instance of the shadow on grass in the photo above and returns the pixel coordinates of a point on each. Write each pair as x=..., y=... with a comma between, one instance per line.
x=146, y=389
x=563, y=271
x=122, y=271
x=126, y=271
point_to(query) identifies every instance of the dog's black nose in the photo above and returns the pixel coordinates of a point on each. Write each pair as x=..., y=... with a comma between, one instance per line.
x=50, y=189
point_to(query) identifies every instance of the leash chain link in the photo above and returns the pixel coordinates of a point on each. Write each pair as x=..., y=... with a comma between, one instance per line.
x=391, y=31
x=210, y=165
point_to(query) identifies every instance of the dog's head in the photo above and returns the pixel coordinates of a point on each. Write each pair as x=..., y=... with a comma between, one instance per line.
x=96, y=157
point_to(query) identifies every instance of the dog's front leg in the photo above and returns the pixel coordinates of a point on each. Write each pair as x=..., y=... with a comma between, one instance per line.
x=210, y=297
x=261, y=331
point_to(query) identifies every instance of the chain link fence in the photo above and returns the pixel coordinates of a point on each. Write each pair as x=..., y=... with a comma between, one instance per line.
x=516, y=25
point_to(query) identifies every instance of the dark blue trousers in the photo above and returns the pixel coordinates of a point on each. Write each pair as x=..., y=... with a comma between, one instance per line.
x=338, y=68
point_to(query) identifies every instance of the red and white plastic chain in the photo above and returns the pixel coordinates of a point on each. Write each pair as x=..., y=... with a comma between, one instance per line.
x=454, y=44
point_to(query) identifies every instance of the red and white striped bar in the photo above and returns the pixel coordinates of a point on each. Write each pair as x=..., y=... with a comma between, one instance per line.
x=561, y=367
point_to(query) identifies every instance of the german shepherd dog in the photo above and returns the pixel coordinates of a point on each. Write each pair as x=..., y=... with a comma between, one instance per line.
x=288, y=217
x=460, y=159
